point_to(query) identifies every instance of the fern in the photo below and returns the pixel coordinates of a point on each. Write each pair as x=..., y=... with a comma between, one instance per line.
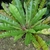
x=28, y=23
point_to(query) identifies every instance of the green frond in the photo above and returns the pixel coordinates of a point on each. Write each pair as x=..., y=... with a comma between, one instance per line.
x=9, y=21
x=19, y=7
x=42, y=43
x=29, y=11
x=5, y=26
x=41, y=26
x=42, y=4
x=38, y=16
x=47, y=21
x=14, y=11
x=5, y=7
x=44, y=31
x=16, y=32
x=35, y=43
x=37, y=23
x=35, y=7
x=28, y=38
x=5, y=34
x=31, y=31
x=18, y=37
x=11, y=33
x=4, y=13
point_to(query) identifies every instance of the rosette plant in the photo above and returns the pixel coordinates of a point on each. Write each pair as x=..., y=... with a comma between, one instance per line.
x=27, y=22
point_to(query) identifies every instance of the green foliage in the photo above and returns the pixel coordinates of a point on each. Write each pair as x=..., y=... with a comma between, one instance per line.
x=48, y=42
x=42, y=4
x=48, y=8
x=20, y=9
x=14, y=11
x=28, y=22
x=8, y=20
x=36, y=43
x=38, y=17
x=4, y=26
x=41, y=42
x=5, y=6
x=41, y=26
x=28, y=38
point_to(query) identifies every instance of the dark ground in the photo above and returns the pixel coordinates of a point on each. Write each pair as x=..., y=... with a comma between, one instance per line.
x=9, y=44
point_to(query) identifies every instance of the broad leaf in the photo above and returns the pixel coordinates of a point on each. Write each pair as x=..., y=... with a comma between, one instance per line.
x=16, y=32
x=4, y=13
x=42, y=43
x=38, y=16
x=44, y=31
x=17, y=37
x=41, y=26
x=5, y=26
x=35, y=43
x=29, y=10
x=16, y=13
x=30, y=30
x=35, y=6
x=11, y=33
x=32, y=5
x=5, y=7
x=5, y=34
x=47, y=21
x=42, y=4
x=18, y=4
x=9, y=21
x=28, y=38
x=37, y=23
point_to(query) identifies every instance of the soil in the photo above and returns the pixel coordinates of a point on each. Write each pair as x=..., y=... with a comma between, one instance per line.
x=9, y=44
